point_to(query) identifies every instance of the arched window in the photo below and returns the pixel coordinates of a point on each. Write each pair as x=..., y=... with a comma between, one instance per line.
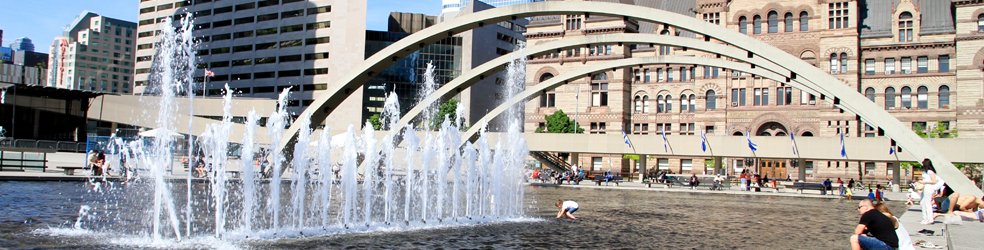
x=668, y=103
x=743, y=25
x=693, y=102
x=807, y=134
x=645, y=104
x=659, y=104
x=906, y=97
x=547, y=99
x=870, y=93
x=757, y=24
x=599, y=77
x=710, y=101
x=773, y=22
x=684, y=103
x=787, y=21
x=980, y=23
x=804, y=21
x=905, y=27
x=944, y=97
x=889, y=98
x=833, y=63
x=638, y=104
x=922, y=97
x=843, y=64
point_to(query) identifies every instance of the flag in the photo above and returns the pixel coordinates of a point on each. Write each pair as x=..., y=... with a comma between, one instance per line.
x=891, y=150
x=209, y=73
x=626, y=138
x=792, y=140
x=703, y=141
x=751, y=145
x=843, y=149
x=666, y=144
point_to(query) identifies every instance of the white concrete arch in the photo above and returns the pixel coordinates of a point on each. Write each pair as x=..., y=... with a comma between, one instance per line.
x=812, y=77
x=468, y=78
x=534, y=90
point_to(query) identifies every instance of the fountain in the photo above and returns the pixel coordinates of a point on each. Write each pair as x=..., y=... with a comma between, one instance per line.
x=436, y=184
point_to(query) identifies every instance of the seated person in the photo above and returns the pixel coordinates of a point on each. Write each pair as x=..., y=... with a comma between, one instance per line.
x=694, y=181
x=874, y=229
x=718, y=182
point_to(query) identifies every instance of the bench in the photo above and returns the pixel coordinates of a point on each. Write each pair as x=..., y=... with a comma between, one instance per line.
x=601, y=178
x=24, y=158
x=800, y=186
x=70, y=170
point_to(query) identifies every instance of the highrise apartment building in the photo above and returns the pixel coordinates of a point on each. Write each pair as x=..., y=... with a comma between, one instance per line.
x=260, y=48
x=455, y=5
x=919, y=60
x=94, y=54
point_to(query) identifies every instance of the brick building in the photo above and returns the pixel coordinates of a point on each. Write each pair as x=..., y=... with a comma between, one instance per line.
x=926, y=59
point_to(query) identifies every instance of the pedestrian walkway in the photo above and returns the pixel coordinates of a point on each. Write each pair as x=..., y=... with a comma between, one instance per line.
x=966, y=235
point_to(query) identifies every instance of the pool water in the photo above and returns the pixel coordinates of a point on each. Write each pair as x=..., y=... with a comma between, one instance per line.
x=42, y=214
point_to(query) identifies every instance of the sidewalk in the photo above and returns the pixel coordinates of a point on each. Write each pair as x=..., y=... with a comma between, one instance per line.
x=967, y=235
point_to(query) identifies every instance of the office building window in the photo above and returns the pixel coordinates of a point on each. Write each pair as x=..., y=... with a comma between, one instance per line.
x=710, y=100
x=922, y=97
x=944, y=63
x=906, y=97
x=869, y=66
x=922, y=64
x=944, y=97
x=905, y=27
x=890, y=98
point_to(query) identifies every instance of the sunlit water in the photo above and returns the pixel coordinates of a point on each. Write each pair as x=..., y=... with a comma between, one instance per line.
x=41, y=215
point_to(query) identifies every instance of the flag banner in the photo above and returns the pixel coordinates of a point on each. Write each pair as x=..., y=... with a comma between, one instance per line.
x=666, y=144
x=843, y=149
x=703, y=141
x=626, y=138
x=751, y=145
x=792, y=140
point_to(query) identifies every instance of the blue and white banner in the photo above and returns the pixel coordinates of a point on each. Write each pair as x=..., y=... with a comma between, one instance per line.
x=751, y=145
x=626, y=138
x=843, y=149
x=792, y=140
x=703, y=141
x=666, y=144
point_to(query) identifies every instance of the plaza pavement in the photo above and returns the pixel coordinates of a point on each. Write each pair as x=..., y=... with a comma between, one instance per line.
x=966, y=235
x=949, y=236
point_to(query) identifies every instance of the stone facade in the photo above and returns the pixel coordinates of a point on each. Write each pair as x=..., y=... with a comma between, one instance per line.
x=923, y=50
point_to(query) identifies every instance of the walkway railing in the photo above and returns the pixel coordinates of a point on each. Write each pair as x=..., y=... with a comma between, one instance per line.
x=61, y=146
x=552, y=160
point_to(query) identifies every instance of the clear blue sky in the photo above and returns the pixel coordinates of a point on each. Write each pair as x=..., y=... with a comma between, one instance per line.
x=43, y=20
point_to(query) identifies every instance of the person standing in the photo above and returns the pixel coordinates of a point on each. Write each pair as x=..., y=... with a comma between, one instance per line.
x=840, y=186
x=929, y=180
x=874, y=229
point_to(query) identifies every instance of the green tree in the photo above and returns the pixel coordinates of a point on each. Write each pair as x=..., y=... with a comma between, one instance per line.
x=376, y=122
x=559, y=122
x=447, y=109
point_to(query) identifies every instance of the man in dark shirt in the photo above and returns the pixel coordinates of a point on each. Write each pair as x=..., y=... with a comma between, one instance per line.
x=874, y=230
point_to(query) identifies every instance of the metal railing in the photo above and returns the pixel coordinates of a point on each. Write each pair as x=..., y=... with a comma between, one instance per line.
x=61, y=146
x=553, y=160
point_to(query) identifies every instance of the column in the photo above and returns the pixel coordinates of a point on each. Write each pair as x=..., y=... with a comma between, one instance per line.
x=719, y=166
x=801, y=167
x=896, y=175
x=642, y=167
